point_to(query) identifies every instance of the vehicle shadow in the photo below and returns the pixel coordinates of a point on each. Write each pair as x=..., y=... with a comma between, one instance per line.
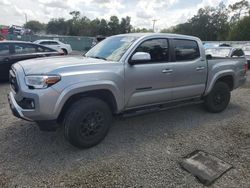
x=5, y=81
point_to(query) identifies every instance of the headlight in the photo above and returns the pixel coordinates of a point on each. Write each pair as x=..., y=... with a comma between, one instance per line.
x=41, y=81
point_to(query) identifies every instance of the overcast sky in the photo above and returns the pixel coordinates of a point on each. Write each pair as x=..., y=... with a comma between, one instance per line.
x=142, y=12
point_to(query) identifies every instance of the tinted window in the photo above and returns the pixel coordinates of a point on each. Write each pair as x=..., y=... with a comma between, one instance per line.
x=157, y=48
x=45, y=43
x=238, y=53
x=53, y=43
x=49, y=43
x=44, y=49
x=186, y=50
x=4, y=49
x=24, y=48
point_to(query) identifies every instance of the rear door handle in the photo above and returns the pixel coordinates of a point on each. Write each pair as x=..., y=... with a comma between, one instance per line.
x=167, y=71
x=200, y=68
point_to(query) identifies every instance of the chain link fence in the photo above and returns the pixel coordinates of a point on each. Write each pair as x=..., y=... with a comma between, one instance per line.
x=78, y=43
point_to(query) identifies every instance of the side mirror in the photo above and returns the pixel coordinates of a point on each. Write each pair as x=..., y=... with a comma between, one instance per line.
x=208, y=56
x=139, y=57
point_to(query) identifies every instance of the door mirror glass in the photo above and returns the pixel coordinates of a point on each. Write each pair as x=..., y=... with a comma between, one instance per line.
x=139, y=57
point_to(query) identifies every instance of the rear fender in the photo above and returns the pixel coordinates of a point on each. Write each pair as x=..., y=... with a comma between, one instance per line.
x=216, y=77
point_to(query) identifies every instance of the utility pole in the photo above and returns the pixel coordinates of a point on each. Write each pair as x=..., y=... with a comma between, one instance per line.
x=154, y=24
x=26, y=19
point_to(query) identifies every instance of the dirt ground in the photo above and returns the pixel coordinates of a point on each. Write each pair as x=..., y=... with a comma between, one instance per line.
x=142, y=151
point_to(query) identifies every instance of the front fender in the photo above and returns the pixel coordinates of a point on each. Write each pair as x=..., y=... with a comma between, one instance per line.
x=89, y=86
x=212, y=80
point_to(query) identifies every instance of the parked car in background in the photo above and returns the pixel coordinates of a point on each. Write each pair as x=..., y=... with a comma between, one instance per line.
x=125, y=74
x=246, y=50
x=225, y=52
x=225, y=45
x=14, y=51
x=56, y=45
x=97, y=39
x=207, y=45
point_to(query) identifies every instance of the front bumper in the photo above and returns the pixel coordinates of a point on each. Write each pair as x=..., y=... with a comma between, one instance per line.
x=15, y=108
x=43, y=100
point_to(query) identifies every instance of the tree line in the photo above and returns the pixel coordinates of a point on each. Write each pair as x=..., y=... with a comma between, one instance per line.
x=82, y=26
x=218, y=23
x=210, y=23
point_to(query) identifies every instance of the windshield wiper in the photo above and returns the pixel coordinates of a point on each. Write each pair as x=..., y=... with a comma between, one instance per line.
x=97, y=57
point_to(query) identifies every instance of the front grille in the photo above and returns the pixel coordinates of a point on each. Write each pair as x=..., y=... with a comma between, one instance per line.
x=13, y=81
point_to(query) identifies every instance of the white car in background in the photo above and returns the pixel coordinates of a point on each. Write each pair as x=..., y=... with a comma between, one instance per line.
x=56, y=45
x=246, y=50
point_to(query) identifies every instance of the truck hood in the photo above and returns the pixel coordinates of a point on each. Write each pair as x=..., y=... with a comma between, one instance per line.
x=51, y=64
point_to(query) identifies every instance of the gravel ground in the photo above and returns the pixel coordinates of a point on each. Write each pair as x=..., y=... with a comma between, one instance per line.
x=142, y=151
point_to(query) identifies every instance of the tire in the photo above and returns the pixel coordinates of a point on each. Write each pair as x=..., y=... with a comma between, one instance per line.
x=65, y=51
x=218, y=99
x=87, y=122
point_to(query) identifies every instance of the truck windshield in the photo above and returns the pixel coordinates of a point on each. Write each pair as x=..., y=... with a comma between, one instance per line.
x=112, y=48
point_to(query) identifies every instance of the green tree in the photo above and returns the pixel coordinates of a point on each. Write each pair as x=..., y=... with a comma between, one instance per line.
x=103, y=27
x=240, y=30
x=125, y=26
x=113, y=25
x=35, y=26
x=238, y=9
x=76, y=15
x=210, y=23
x=57, y=26
x=94, y=27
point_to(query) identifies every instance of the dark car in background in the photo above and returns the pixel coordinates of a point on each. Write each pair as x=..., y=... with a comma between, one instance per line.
x=14, y=51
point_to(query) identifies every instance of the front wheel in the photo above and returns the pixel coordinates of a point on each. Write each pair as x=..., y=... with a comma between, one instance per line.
x=65, y=52
x=218, y=99
x=87, y=122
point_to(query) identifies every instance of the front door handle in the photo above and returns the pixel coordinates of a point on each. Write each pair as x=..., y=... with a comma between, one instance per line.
x=167, y=71
x=200, y=68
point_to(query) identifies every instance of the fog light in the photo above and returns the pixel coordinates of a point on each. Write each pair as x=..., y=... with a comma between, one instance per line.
x=27, y=103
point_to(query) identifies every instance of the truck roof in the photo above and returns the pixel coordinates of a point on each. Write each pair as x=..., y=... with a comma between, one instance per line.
x=169, y=35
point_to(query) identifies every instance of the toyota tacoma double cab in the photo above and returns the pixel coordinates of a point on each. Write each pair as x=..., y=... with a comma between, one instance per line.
x=124, y=74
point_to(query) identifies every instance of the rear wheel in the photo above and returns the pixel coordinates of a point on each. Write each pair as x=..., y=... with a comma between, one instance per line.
x=87, y=122
x=218, y=99
x=65, y=52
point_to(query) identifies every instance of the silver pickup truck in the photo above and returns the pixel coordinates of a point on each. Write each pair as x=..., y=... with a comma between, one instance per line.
x=125, y=74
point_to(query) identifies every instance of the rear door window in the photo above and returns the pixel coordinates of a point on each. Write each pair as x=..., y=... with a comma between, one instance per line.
x=186, y=50
x=53, y=43
x=21, y=48
x=4, y=49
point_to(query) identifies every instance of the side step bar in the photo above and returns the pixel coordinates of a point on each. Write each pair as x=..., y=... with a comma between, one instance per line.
x=162, y=107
